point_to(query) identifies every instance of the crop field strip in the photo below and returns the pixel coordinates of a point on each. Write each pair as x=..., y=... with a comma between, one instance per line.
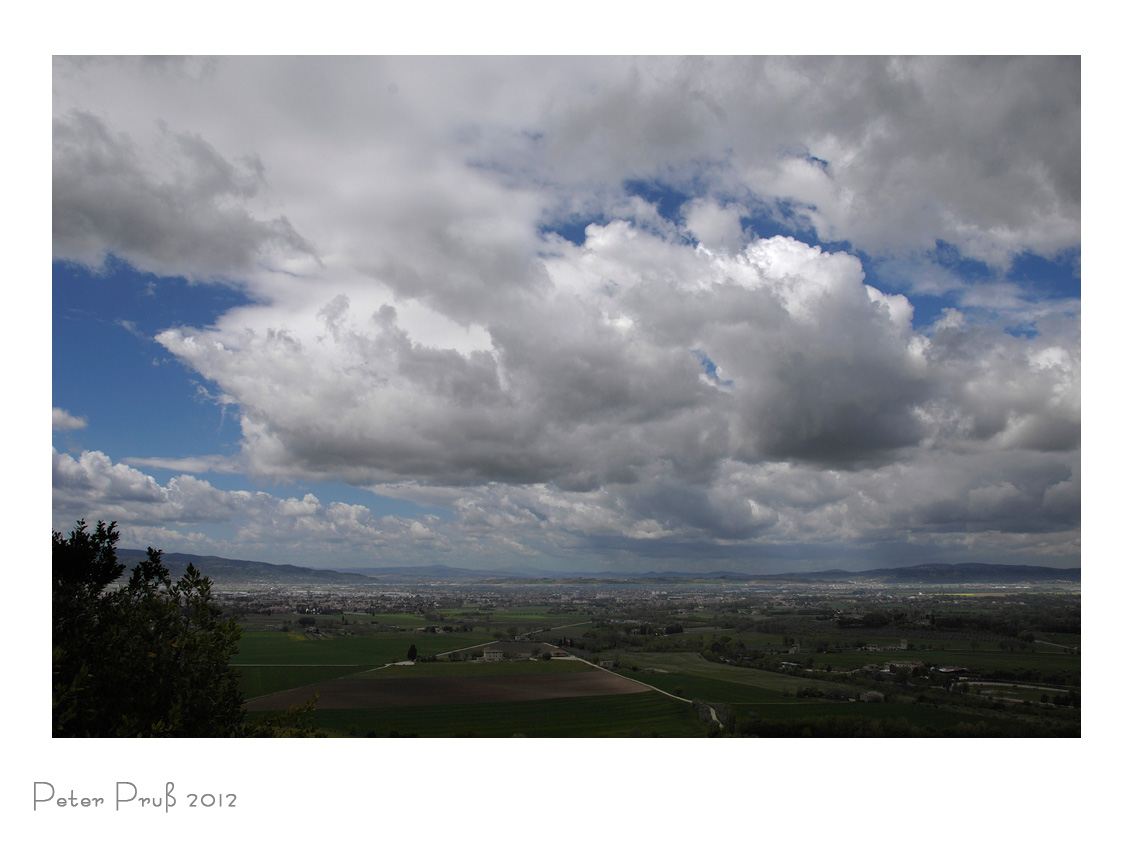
x=291, y=648
x=647, y=713
x=924, y=717
x=261, y=680
x=477, y=668
x=710, y=689
x=370, y=691
x=693, y=664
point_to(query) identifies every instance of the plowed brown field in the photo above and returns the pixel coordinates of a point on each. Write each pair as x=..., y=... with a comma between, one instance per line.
x=449, y=690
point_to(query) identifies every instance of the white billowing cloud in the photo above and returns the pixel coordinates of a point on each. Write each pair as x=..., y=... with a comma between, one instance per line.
x=152, y=514
x=716, y=226
x=451, y=161
x=93, y=483
x=890, y=154
x=594, y=399
x=61, y=420
x=415, y=327
x=597, y=380
x=931, y=148
x=1007, y=392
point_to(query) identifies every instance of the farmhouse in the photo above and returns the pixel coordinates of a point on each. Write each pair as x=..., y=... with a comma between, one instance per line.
x=494, y=655
x=891, y=666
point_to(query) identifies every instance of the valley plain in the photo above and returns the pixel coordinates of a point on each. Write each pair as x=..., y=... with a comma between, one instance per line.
x=881, y=655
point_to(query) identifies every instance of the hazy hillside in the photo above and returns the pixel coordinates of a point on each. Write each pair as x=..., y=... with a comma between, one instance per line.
x=225, y=570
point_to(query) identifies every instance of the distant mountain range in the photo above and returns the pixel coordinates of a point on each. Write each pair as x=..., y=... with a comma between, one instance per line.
x=964, y=573
x=922, y=573
x=231, y=571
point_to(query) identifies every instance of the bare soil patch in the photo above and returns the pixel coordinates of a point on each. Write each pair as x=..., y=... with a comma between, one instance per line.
x=510, y=648
x=392, y=692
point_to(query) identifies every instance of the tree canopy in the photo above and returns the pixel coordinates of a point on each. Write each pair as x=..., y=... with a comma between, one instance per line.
x=148, y=657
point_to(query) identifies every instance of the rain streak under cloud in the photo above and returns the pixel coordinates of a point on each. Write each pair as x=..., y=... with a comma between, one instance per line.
x=753, y=314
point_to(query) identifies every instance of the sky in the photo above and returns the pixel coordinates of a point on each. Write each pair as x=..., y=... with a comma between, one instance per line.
x=563, y=314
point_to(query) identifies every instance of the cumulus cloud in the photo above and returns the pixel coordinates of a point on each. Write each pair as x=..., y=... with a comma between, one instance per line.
x=714, y=225
x=247, y=523
x=888, y=153
x=593, y=411
x=669, y=376
x=599, y=380
x=61, y=420
x=891, y=154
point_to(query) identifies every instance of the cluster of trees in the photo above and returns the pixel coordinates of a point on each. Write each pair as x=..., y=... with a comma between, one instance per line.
x=1070, y=699
x=1027, y=615
x=148, y=657
x=669, y=638
x=871, y=620
x=722, y=648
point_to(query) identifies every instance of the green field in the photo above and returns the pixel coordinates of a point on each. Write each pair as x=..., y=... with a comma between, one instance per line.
x=260, y=681
x=401, y=621
x=693, y=664
x=1062, y=640
x=918, y=719
x=645, y=714
x=1012, y=691
x=760, y=702
x=760, y=640
x=573, y=630
x=295, y=648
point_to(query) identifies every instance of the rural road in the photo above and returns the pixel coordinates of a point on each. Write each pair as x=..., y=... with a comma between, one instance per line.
x=596, y=666
x=627, y=678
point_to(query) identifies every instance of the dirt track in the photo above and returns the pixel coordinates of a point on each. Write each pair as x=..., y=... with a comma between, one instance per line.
x=390, y=692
